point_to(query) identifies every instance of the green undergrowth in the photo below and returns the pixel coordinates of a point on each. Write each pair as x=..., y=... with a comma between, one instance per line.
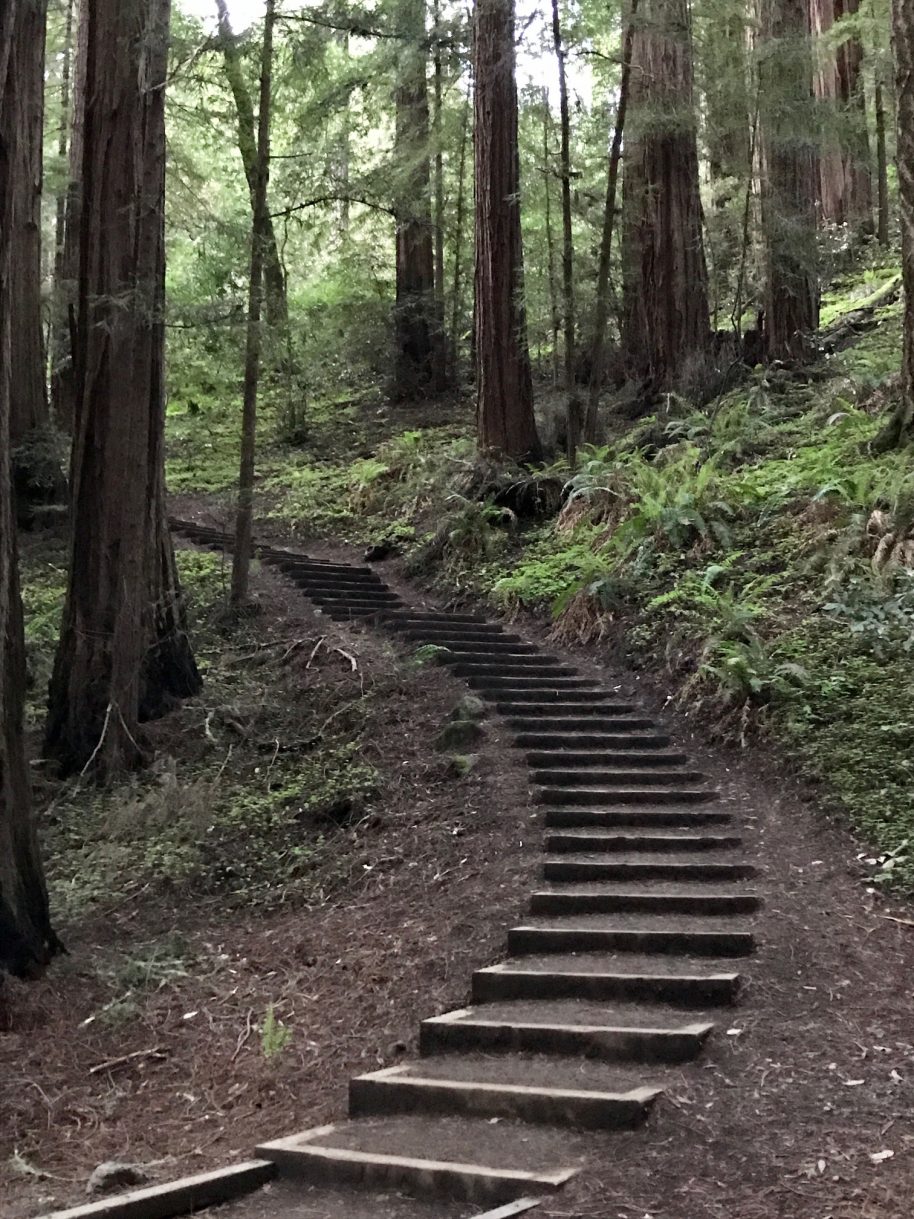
x=250, y=786
x=755, y=551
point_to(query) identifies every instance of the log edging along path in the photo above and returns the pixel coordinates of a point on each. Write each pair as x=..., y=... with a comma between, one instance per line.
x=633, y=950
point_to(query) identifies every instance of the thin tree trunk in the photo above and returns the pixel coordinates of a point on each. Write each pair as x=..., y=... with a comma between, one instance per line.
x=900, y=427
x=59, y=331
x=123, y=655
x=789, y=179
x=567, y=232
x=666, y=327
x=241, y=565
x=601, y=306
x=882, y=166
x=505, y=423
x=555, y=316
x=63, y=377
x=439, y=165
x=277, y=308
x=27, y=941
x=460, y=208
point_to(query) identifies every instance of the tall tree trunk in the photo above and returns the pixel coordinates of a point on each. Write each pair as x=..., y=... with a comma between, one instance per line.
x=27, y=941
x=900, y=428
x=241, y=565
x=882, y=165
x=845, y=192
x=123, y=655
x=567, y=231
x=460, y=208
x=505, y=423
x=555, y=315
x=59, y=330
x=666, y=328
x=35, y=475
x=789, y=178
x=439, y=167
x=601, y=306
x=277, y=309
x=418, y=348
x=724, y=84
x=66, y=270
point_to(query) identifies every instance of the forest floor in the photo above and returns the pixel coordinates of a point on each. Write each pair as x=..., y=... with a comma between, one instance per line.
x=302, y=876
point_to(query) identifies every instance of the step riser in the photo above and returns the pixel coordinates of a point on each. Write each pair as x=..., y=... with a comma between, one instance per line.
x=571, y=741
x=607, y=718
x=625, y=1045
x=536, y=689
x=590, y=779
x=557, y=844
x=642, y=903
x=507, y=669
x=523, y=941
x=499, y=987
x=375, y=1098
x=607, y=797
x=584, y=818
x=470, y=650
x=569, y=871
x=548, y=760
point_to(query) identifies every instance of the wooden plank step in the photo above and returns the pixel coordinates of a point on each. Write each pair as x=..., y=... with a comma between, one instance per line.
x=570, y=840
x=606, y=796
x=611, y=1038
x=511, y=981
x=398, y=1089
x=645, y=900
x=565, y=868
x=530, y=939
x=634, y=816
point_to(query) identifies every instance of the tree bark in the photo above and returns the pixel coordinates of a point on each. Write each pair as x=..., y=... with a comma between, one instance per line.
x=555, y=316
x=35, y=476
x=275, y=297
x=567, y=230
x=505, y=423
x=418, y=347
x=601, y=306
x=460, y=208
x=241, y=565
x=66, y=269
x=27, y=940
x=666, y=327
x=845, y=190
x=882, y=165
x=789, y=152
x=123, y=655
x=900, y=428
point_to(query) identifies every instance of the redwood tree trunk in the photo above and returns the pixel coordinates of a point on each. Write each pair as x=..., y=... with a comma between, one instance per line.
x=901, y=426
x=504, y=409
x=882, y=164
x=26, y=939
x=124, y=653
x=418, y=346
x=789, y=156
x=845, y=191
x=666, y=328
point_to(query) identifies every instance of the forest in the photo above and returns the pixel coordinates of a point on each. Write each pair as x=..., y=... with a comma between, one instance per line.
x=418, y=420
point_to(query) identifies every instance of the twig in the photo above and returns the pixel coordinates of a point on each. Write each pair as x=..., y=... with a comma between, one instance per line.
x=244, y=1035
x=111, y=1063
x=314, y=651
x=906, y=922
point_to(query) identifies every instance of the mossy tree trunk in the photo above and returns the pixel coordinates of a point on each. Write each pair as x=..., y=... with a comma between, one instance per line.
x=123, y=655
x=505, y=424
x=27, y=941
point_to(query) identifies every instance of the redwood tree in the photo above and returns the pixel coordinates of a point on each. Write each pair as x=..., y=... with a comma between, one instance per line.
x=845, y=186
x=123, y=654
x=504, y=409
x=26, y=939
x=419, y=350
x=666, y=329
x=23, y=111
x=900, y=428
x=790, y=162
